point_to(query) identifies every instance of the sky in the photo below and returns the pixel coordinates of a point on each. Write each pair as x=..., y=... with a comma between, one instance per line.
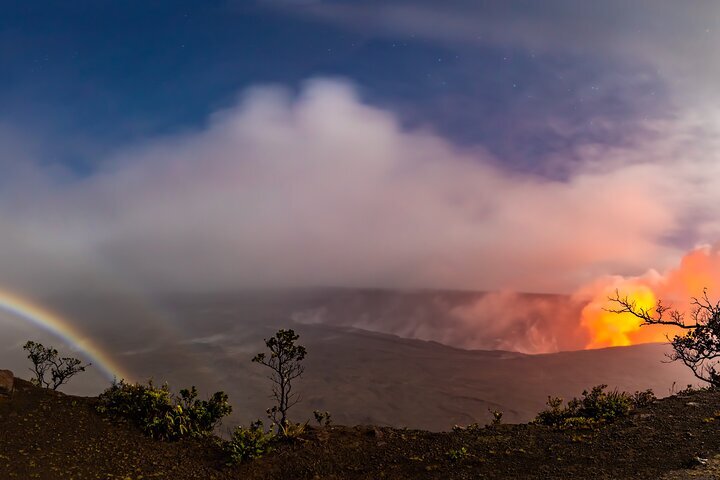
x=221, y=145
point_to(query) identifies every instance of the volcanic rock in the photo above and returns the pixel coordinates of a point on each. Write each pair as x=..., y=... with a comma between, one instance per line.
x=7, y=381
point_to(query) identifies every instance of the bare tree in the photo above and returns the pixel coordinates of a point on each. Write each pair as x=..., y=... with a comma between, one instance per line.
x=285, y=362
x=698, y=346
x=47, y=360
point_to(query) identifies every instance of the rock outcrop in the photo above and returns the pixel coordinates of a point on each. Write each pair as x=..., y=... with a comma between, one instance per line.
x=7, y=382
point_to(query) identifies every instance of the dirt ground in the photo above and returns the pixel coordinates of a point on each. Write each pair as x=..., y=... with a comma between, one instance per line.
x=48, y=435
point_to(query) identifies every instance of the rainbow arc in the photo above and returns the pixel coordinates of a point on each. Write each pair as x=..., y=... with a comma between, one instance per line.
x=32, y=312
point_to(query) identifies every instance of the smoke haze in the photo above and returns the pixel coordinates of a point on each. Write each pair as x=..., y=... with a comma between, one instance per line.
x=322, y=190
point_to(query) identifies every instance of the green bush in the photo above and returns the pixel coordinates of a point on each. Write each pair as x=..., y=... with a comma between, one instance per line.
x=601, y=405
x=249, y=443
x=204, y=415
x=457, y=454
x=595, y=406
x=162, y=415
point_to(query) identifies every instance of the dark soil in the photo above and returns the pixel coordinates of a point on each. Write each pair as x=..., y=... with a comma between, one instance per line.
x=49, y=435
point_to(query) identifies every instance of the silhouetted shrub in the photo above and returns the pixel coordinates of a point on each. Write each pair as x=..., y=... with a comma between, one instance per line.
x=285, y=362
x=555, y=414
x=249, y=443
x=162, y=415
x=496, y=416
x=323, y=418
x=593, y=407
x=46, y=360
x=643, y=399
x=690, y=390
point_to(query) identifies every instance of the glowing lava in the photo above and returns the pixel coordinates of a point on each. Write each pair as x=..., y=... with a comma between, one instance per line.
x=698, y=269
x=608, y=329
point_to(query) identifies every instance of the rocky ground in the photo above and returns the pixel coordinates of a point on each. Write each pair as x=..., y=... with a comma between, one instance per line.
x=49, y=435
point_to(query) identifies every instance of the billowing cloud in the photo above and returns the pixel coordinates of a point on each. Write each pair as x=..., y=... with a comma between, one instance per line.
x=321, y=189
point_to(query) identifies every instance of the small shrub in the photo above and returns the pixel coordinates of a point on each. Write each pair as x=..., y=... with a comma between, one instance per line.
x=249, y=443
x=687, y=390
x=592, y=407
x=162, y=415
x=323, y=418
x=601, y=405
x=47, y=360
x=554, y=415
x=205, y=415
x=497, y=416
x=292, y=430
x=643, y=399
x=690, y=390
x=457, y=454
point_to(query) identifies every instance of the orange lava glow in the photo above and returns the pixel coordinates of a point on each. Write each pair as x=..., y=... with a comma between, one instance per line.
x=698, y=269
x=609, y=329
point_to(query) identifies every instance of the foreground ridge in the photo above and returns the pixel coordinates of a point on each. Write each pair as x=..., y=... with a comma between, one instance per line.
x=49, y=435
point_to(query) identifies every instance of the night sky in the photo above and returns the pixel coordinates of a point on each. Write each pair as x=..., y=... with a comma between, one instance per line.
x=94, y=75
